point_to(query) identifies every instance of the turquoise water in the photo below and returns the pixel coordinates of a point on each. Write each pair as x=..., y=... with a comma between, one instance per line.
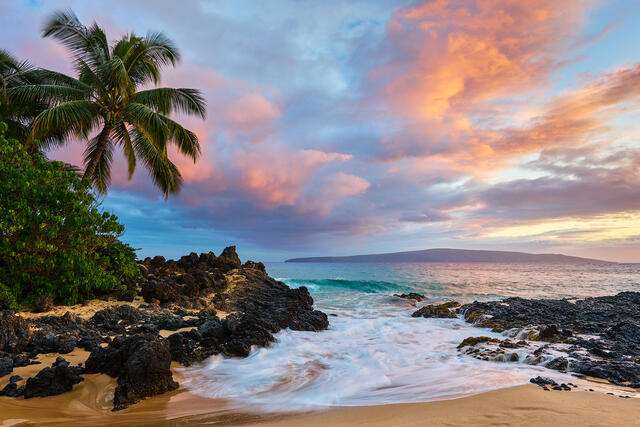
x=374, y=351
x=462, y=281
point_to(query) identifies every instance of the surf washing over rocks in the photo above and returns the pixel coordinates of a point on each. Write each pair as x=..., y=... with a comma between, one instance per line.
x=375, y=352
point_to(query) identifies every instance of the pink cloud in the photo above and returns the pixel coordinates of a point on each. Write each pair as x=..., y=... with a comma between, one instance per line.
x=252, y=109
x=321, y=201
x=278, y=177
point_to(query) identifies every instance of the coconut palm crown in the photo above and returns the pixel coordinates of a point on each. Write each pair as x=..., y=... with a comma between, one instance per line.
x=113, y=102
x=16, y=115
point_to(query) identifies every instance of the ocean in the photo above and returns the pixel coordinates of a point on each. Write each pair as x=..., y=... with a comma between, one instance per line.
x=374, y=351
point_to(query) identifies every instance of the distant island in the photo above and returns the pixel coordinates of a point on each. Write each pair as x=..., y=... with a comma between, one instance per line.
x=454, y=255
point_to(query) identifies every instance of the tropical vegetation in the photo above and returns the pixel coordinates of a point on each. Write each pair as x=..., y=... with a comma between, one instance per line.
x=54, y=240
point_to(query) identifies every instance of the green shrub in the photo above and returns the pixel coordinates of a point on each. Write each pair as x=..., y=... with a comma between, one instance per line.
x=7, y=299
x=53, y=239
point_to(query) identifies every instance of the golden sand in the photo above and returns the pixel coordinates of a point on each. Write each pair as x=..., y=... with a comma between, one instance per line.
x=90, y=404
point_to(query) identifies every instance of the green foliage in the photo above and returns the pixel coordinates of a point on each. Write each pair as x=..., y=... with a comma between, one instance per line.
x=53, y=239
x=7, y=299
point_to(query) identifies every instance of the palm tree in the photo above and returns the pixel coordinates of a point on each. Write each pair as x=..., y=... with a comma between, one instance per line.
x=108, y=99
x=17, y=115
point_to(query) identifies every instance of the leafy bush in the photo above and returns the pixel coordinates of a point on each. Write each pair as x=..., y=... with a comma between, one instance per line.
x=53, y=239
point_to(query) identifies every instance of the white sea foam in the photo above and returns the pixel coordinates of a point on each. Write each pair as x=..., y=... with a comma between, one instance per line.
x=373, y=353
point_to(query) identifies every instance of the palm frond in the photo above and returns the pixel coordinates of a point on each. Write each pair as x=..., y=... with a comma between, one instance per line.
x=167, y=100
x=186, y=141
x=60, y=79
x=161, y=50
x=101, y=154
x=85, y=44
x=163, y=172
x=46, y=93
x=152, y=122
x=121, y=134
x=72, y=117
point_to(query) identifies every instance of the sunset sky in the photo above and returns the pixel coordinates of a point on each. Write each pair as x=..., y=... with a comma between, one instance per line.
x=343, y=127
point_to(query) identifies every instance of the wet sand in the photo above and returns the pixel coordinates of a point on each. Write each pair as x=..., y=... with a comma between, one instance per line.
x=525, y=405
x=90, y=404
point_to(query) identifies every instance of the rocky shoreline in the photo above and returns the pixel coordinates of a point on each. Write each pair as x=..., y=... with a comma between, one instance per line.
x=187, y=310
x=597, y=337
x=195, y=307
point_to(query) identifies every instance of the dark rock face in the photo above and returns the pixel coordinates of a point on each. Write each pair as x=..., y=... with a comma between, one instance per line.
x=273, y=303
x=6, y=365
x=142, y=364
x=162, y=292
x=57, y=379
x=443, y=311
x=12, y=389
x=42, y=304
x=600, y=336
x=15, y=335
x=127, y=296
x=229, y=255
x=411, y=295
x=181, y=294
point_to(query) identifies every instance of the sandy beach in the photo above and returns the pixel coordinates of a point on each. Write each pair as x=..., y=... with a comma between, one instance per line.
x=527, y=405
x=90, y=403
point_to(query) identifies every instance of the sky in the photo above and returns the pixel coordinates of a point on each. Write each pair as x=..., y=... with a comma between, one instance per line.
x=349, y=127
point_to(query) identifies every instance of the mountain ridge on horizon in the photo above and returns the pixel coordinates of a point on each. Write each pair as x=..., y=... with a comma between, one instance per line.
x=453, y=256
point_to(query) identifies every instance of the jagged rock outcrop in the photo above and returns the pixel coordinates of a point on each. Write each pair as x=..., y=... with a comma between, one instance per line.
x=15, y=335
x=442, y=311
x=125, y=341
x=12, y=389
x=57, y=379
x=600, y=336
x=411, y=296
x=141, y=363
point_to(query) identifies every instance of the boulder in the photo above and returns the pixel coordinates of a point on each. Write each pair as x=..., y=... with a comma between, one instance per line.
x=141, y=363
x=43, y=304
x=229, y=254
x=411, y=295
x=15, y=335
x=57, y=379
x=443, y=311
x=6, y=365
x=12, y=389
x=160, y=291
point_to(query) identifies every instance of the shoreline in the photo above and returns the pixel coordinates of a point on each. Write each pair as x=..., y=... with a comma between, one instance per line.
x=205, y=305
x=89, y=403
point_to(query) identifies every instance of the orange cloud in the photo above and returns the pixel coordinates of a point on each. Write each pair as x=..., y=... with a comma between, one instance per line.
x=465, y=53
x=279, y=177
x=470, y=73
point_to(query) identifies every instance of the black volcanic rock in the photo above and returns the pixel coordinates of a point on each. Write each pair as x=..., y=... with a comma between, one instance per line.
x=42, y=304
x=184, y=296
x=229, y=254
x=15, y=335
x=274, y=303
x=411, y=295
x=141, y=363
x=6, y=364
x=57, y=379
x=443, y=311
x=12, y=389
x=154, y=290
x=600, y=336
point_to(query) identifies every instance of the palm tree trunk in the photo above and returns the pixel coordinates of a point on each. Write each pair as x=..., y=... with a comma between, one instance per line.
x=103, y=139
